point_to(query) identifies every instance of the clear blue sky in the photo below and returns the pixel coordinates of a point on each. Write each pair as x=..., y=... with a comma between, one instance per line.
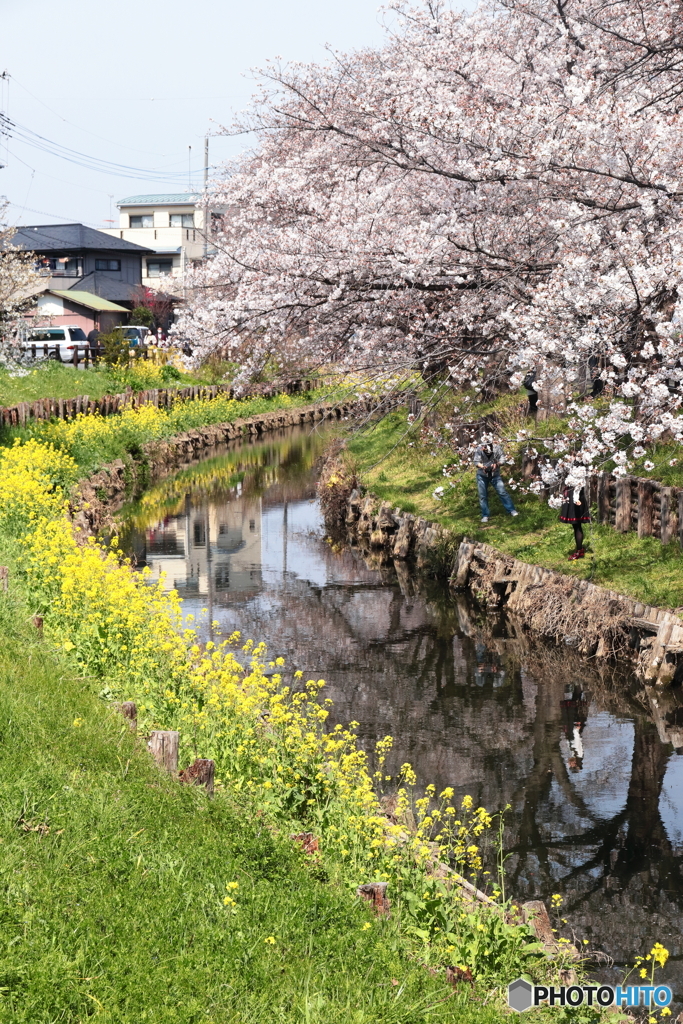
x=138, y=81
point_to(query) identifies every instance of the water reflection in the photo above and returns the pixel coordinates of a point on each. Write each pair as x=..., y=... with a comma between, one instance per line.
x=573, y=723
x=591, y=771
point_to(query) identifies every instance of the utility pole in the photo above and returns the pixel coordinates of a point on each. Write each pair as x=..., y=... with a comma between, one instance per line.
x=206, y=198
x=5, y=123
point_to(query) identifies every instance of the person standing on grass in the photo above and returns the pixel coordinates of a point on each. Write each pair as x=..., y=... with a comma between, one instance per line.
x=487, y=459
x=574, y=510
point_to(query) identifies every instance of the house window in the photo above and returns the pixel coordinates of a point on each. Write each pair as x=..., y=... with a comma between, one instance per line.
x=159, y=268
x=182, y=220
x=107, y=264
x=62, y=266
x=223, y=577
x=142, y=220
x=48, y=334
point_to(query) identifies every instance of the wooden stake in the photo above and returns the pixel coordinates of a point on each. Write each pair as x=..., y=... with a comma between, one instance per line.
x=163, y=747
x=376, y=893
x=535, y=914
x=603, y=497
x=129, y=710
x=4, y=578
x=667, y=516
x=200, y=773
x=309, y=842
x=622, y=520
x=645, y=507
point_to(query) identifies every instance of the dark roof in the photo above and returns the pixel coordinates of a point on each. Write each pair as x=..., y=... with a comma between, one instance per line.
x=106, y=287
x=71, y=238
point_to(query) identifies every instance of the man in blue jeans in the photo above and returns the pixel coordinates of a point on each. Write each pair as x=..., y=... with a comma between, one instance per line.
x=488, y=458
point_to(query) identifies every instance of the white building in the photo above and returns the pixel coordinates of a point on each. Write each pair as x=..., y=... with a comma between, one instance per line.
x=173, y=226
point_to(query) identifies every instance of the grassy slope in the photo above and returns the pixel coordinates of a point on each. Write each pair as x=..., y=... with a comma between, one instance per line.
x=54, y=380
x=407, y=477
x=117, y=911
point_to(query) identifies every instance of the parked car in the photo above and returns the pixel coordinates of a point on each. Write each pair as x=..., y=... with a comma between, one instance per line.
x=137, y=335
x=56, y=342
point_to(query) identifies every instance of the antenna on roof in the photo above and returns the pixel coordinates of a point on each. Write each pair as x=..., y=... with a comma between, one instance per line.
x=189, y=167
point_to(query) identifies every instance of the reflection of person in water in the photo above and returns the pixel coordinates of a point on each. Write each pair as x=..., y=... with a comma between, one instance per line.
x=574, y=714
x=489, y=667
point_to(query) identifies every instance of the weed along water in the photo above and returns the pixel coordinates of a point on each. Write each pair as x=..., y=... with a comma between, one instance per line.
x=590, y=767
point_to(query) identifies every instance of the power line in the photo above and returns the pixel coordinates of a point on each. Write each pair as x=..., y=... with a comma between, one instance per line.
x=45, y=145
x=44, y=213
x=121, y=145
x=63, y=181
x=73, y=156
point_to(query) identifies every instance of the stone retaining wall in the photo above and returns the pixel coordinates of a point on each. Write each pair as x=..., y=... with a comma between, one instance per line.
x=652, y=636
x=596, y=621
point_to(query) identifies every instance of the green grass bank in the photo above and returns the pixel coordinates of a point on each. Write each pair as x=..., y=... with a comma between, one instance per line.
x=51, y=379
x=114, y=876
x=127, y=897
x=405, y=468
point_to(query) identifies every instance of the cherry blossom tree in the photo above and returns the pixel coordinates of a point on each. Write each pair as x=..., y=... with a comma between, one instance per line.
x=484, y=194
x=18, y=282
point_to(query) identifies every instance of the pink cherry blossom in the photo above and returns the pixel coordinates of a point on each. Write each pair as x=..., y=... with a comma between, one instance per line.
x=483, y=195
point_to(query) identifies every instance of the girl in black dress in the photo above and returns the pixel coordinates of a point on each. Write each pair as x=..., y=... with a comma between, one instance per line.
x=576, y=513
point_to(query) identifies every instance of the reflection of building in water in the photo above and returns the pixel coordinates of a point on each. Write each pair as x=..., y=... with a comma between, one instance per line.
x=220, y=542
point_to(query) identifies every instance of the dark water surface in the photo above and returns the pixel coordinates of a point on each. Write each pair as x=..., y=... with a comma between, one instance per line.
x=587, y=762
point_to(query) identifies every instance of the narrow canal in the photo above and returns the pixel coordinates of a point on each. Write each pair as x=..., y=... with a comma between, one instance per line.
x=592, y=770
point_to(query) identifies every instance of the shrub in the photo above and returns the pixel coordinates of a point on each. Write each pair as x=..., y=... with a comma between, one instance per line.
x=116, y=348
x=142, y=316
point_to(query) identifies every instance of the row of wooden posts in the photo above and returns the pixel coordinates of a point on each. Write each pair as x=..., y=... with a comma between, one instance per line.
x=162, y=744
x=636, y=503
x=163, y=398
x=627, y=503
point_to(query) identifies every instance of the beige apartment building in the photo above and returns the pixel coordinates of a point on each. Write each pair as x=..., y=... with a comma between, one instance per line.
x=172, y=225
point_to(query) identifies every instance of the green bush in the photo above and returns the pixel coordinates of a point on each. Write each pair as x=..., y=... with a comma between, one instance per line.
x=142, y=316
x=170, y=374
x=116, y=348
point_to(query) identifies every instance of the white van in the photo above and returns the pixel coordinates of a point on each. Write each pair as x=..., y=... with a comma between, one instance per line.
x=55, y=342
